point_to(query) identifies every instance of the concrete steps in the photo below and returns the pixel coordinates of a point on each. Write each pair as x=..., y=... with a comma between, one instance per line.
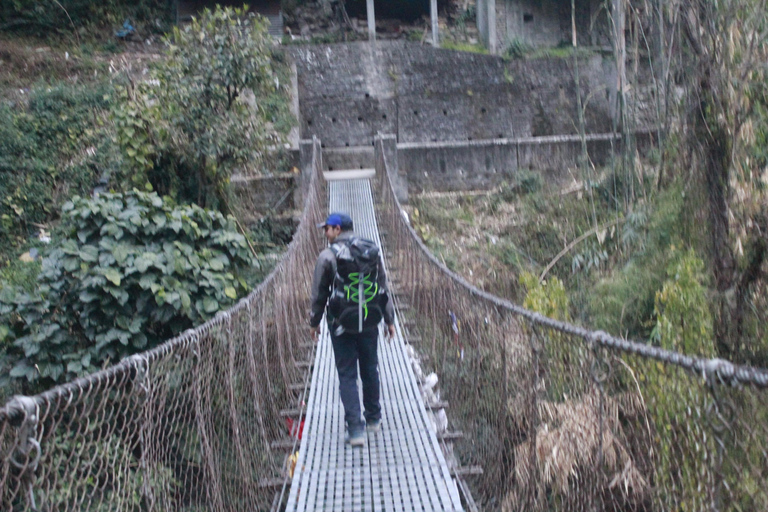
x=349, y=174
x=275, y=24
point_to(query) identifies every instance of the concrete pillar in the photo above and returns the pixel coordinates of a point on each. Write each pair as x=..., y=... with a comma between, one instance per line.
x=294, y=136
x=306, y=168
x=486, y=24
x=480, y=21
x=433, y=16
x=620, y=44
x=371, y=20
x=385, y=148
x=491, y=17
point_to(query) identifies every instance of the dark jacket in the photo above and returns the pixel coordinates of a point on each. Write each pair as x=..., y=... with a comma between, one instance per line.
x=322, y=280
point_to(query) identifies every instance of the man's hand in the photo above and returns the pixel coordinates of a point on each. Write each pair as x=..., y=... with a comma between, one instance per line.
x=314, y=331
x=391, y=331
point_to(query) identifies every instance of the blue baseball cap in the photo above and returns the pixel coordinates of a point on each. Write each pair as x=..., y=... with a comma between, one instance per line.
x=338, y=219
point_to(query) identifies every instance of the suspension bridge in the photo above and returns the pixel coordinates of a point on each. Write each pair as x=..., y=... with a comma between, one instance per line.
x=242, y=413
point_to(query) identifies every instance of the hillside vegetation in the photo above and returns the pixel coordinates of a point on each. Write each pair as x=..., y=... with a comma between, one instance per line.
x=115, y=164
x=670, y=248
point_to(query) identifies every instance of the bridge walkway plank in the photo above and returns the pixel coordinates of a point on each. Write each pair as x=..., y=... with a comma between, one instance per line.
x=401, y=467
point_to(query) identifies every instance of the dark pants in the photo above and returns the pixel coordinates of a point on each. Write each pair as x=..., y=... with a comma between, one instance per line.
x=349, y=349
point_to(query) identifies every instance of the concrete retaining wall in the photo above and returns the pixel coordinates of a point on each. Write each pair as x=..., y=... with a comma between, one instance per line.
x=477, y=165
x=457, y=166
x=350, y=92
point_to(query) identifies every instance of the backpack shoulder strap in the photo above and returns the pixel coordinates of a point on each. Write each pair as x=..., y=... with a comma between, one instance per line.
x=335, y=247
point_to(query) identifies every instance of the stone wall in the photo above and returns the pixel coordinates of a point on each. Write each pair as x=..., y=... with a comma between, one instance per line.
x=532, y=22
x=456, y=165
x=459, y=120
x=341, y=159
x=547, y=23
x=350, y=92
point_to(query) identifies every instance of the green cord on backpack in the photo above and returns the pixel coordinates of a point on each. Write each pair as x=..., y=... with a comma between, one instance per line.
x=370, y=290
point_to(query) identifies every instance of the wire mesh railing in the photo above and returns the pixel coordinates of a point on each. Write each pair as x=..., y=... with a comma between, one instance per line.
x=558, y=417
x=185, y=426
x=563, y=418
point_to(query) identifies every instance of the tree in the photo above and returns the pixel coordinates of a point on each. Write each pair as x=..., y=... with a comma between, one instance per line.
x=199, y=117
x=728, y=99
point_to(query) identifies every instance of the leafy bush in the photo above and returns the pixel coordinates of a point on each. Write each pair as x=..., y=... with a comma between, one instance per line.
x=467, y=15
x=415, y=36
x=683, y=324
x=21, y=273
x=623, y=303
x=276, y=102
x=548, y=297
x=683, y=320
x=203, y=114
x=562, y=355
x=16, y=169
x=517, y=49
x=524, y=181
x=61, y=115
x=542, y=241
x=132, y=271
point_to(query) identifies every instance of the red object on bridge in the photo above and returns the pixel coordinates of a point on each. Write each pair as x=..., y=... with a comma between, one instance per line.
x=293, y=429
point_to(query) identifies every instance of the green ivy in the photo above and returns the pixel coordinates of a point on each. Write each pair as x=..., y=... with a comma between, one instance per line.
x=683, y=319
x=58, y=145
x=132, y=271
x=562, y=357
x=114, y=453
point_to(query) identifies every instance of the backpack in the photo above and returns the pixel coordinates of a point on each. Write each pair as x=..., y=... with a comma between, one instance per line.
x=356, y=302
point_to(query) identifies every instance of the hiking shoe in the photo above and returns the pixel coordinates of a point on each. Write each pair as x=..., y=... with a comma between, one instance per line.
x=373, y=426
x=356, y=439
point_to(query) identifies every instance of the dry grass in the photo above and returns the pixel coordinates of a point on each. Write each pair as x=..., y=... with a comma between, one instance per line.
x=568, y=444
x=26, y=62
x=490, y=236
x=468, y=231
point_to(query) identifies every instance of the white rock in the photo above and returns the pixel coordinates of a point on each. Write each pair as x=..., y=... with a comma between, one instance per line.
x=417, y=371
x=441, y=421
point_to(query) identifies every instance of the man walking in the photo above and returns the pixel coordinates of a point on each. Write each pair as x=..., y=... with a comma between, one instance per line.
x=349, y=278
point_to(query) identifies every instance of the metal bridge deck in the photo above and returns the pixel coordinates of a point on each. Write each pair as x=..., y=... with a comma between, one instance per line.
x=401, y=468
